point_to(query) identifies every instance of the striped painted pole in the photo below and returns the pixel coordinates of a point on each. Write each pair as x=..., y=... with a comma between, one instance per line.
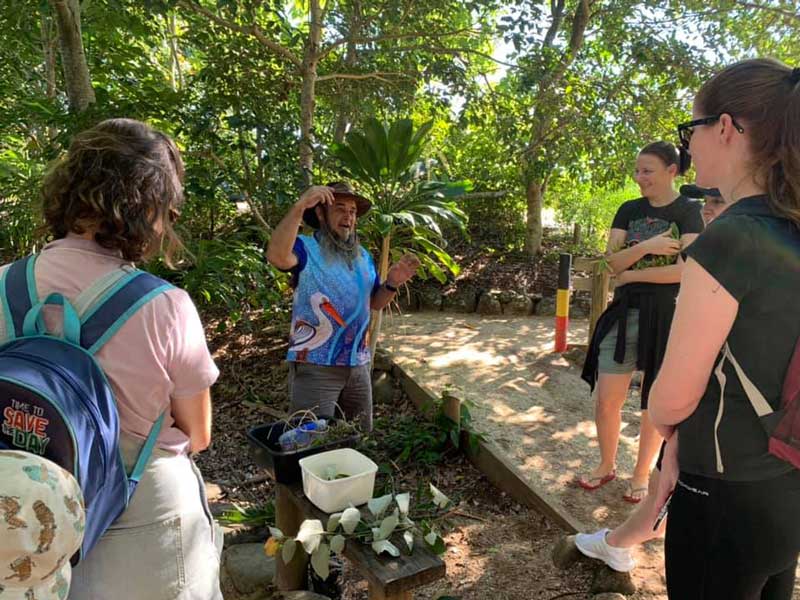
x=562, y=301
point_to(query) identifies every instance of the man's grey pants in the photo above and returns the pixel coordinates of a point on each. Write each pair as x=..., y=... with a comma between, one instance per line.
x=321, y=388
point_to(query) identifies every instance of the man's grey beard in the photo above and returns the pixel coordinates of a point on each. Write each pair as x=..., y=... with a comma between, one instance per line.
x=334, y=246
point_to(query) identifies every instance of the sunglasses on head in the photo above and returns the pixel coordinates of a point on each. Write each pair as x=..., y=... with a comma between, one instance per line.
x=686, y=130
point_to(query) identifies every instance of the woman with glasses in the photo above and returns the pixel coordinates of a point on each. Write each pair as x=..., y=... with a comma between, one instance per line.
x=109, y=203
x=632, y=333
x=734, y=509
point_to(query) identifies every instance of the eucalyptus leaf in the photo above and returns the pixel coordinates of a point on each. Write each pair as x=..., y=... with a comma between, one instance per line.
x=377, y=506
x=388, y=525
x=276, y=533
x=288, y=550
x=350, y=520
x=333, y=522
x=403, y=501
x=337, y=544
x=320, y=560
x=385, y=546
x=409, y=538
x=310, y=534
x=439, y=499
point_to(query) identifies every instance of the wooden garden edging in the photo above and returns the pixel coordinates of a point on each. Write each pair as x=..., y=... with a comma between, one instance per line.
x=491, y=461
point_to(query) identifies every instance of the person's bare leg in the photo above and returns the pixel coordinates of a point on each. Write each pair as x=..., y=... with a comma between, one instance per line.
x=612, y=390
x=649, y=443
x=638, y=527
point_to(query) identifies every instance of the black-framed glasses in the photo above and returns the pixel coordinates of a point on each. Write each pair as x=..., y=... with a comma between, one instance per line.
x=686, y=130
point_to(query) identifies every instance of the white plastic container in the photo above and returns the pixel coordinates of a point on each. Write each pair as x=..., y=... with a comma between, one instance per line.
x=338, y=494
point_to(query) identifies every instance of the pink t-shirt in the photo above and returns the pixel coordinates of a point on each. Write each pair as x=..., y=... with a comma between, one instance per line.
x=158, y=354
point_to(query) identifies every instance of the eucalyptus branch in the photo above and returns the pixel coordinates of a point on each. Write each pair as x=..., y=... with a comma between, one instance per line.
x=251, y=30
x=391, y=36
x=380, y=75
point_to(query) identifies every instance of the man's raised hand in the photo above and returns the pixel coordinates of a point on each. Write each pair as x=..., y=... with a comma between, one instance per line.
x=402, y=270
x=316, y=194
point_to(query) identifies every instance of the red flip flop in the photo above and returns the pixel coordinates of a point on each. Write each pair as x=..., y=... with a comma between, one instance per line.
x=594, y=483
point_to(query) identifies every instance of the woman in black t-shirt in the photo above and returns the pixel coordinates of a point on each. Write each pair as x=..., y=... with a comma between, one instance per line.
x=646, y=236
x=734, y=513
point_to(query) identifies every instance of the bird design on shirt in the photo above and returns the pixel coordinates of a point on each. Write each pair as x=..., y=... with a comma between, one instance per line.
x=308, y=336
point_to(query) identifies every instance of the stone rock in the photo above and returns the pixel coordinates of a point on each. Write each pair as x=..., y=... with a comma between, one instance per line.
x=565, y=552
x=430, y=298
x=462, y=300
x=489, y=304
x=246, y=570
x=520, y=304
x=382, y=387
x=607, y=580
x=611, y=596
x=301, y=596
x=382, y=360
x=581, y=305
x=214, y=492
x=546, y=307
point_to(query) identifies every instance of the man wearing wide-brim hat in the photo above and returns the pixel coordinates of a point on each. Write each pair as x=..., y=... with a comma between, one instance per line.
x=335, y=286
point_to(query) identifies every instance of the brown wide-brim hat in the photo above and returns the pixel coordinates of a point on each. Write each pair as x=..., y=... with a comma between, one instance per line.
x=340, y=189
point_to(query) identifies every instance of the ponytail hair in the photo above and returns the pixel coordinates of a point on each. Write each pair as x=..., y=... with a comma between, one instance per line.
x=764, y=95
x=669, y=155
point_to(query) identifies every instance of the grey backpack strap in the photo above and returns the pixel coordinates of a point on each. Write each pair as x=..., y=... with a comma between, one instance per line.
x=89, y=297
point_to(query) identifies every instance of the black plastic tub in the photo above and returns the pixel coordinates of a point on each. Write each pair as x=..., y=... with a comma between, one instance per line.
x=284, y=466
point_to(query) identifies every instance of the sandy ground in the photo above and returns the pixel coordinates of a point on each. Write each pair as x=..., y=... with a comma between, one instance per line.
x=530, y=402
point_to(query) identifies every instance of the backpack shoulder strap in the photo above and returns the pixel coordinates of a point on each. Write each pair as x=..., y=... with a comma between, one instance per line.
x=18, y=294
x=760, y=404
x=116, y=305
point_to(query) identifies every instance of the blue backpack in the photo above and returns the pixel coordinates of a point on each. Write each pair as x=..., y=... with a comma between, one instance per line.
x=55, y=400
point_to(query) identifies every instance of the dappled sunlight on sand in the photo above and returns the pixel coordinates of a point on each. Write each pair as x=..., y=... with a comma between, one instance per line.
x=528, y=401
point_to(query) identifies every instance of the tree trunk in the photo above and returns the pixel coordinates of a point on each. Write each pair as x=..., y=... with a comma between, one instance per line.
x=345, y=114
x=377, y=315
x=49, y=51
x=577, y=234
x=175, y=72
x=533, y=230
x=308, y=91
x=76, y=71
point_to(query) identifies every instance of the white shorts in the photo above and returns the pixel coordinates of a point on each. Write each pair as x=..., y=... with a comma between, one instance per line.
x=165, y=546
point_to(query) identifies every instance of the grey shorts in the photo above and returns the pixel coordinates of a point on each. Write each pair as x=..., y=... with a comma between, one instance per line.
x=605, y=359
x=321, y=389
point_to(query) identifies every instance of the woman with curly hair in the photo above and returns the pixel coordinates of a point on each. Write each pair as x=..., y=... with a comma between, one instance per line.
x=109, y=203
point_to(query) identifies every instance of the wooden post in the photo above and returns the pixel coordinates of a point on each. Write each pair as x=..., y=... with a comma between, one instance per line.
x=452, y=410
x=288, y=518
x=600, y=282
x=562, y=301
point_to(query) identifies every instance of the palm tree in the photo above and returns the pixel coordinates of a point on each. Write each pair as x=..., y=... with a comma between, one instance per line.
x=408, y=201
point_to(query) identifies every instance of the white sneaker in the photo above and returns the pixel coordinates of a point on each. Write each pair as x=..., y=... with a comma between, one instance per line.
x=594, y=545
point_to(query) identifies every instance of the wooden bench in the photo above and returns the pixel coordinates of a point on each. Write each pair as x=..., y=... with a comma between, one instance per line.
x=389, y=578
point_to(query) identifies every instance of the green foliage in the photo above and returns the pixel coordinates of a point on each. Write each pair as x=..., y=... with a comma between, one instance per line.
x=410, y=440
x=231, y=274
x=261, y=515
x=409, y=200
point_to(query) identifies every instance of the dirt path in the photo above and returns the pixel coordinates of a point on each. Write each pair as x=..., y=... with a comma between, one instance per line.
x=532, y=403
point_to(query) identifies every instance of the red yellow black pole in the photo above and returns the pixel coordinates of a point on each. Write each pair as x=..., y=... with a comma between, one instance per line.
x=562, y=301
